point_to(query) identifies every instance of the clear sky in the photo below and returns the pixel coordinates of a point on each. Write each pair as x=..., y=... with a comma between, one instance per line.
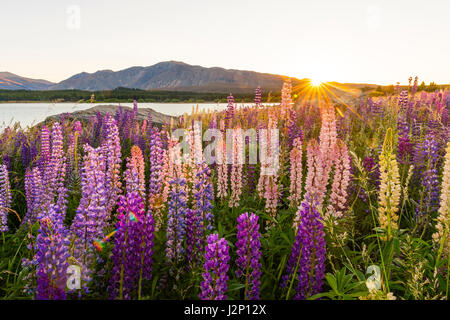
x=376, y=41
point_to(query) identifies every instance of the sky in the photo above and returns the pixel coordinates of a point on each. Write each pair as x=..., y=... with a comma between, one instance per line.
x=360, y=41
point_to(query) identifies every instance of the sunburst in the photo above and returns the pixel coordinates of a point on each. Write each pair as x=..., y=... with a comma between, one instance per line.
x=323, y=93
x=316, y=82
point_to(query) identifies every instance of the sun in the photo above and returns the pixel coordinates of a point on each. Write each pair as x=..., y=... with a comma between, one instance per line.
x=315, y=82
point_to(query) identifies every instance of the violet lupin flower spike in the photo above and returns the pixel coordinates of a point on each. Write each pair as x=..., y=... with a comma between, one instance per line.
x=403, y=99
x=249, y=254
x=176, y=221
x=258, y=96
x=112, y=155
x=147, y=230
x=293, y=129
x=192, y=235
x=404, y=143
x=203, y=197
x=229, y=116
x=45, y=148
x=155, y=188
x=34, y=192
x=426, y=159
x=5, y=198
x=7, y=161
x=306, y=264
x=56, y=171
x=28, y=191
x=214, y=284
x=92, y=213
x=51, y=256
x=251, y=177
x=133, y=248
x=124, y=271
x=25, y=149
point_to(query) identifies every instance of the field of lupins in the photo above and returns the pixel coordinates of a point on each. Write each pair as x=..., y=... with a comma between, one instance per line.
x=359, y=207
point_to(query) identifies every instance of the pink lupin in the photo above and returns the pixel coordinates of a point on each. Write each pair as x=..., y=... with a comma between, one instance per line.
x=341, y=180
x=295, y=188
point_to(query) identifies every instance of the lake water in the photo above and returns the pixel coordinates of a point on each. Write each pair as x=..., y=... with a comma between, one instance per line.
x=28, y=114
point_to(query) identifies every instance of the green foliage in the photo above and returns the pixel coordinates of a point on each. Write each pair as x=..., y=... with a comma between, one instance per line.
x=343, y=286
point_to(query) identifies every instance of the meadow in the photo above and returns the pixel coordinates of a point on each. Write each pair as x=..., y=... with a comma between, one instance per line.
x=358, y=208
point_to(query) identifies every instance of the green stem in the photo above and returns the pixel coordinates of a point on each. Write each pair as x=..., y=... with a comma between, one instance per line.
x=141, y=270
x=293, y=275
x=404, y=171
x=441, y=249
x=122, y=266
x=448, y=275
x=378, y=241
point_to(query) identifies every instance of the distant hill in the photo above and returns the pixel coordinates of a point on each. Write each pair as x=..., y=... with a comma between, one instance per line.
x=10, y=81
x=175, y=76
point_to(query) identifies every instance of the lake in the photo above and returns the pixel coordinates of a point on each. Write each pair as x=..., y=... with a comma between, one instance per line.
x=28, y=114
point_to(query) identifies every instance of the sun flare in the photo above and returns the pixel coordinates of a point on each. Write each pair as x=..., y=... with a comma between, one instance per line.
x=316, y=82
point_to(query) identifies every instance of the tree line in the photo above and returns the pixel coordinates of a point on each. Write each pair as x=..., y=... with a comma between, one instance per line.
x=126, y=95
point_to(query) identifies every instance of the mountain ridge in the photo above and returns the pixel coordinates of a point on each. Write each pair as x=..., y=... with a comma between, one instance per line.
x=11, y=81
x=166, y=75
x=173, y=75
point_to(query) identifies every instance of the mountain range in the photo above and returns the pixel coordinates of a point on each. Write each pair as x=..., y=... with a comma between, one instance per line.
x=10, y=81
x=169, y=75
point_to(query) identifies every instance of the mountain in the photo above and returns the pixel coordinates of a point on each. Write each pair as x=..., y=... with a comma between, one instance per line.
x=10, y=81
x=176, y=76
x=170, y=76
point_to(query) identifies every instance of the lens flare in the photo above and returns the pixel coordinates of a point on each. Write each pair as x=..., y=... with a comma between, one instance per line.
x=99, y=245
